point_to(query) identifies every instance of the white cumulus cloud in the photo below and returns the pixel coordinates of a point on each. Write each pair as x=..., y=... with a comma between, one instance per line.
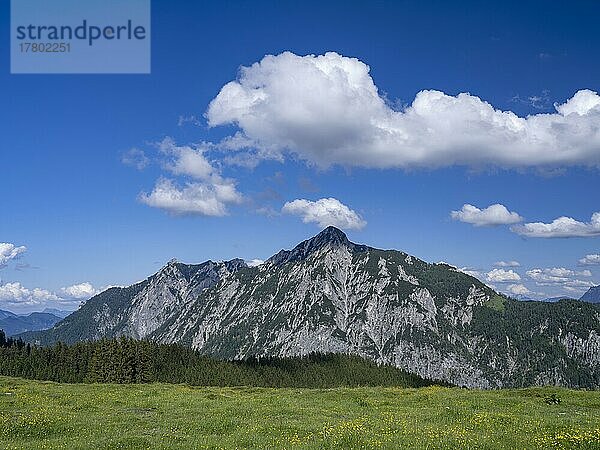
x=186, y=160
x=17, y=294
x=326, y=109
x=325, y=212
x=507, y=264
x=491, y=216
x=191, y=199
x=208, y=195
x=135, y=157
x=518, y=289
x=590, y=260
x=563, y=227
x=555, y=275
x=9, y=252
x=254, y=262
x=560, y=277
x=502, y=276
x=472, y=272
x=79, y=291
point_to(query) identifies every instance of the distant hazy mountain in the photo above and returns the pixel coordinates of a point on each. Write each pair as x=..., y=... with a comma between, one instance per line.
x=526, y=298
x=14, y=324
x=557, y=299
x=522, y=297
x=592, y=295
x=4, y=314
x=57, y=312
x=331, y=295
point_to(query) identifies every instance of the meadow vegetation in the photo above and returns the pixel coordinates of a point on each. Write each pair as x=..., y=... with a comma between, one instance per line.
x=36, y=415
x=123, y=393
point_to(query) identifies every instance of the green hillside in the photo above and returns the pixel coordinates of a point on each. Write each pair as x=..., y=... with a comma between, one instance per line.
x=36, y=415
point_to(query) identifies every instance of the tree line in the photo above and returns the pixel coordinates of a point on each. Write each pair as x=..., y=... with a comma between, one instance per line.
x=8, y=341
x=126, y=360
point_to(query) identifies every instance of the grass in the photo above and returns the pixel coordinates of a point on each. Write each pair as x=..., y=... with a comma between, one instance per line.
x=37, y=415
x=496, y=303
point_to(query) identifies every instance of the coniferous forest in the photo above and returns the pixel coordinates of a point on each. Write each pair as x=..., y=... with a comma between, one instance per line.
x=126, y=360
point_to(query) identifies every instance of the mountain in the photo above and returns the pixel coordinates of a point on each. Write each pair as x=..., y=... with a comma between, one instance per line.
x=526, y=298
x=330, y=295
x=522, y=297
x=139, y=310
x=13, y=324
x=4, y=314
x=557, y=299
x=57, y=312
x=592, y=295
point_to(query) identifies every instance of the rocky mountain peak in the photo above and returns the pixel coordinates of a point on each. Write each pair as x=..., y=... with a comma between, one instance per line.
x=169, y=267
x=330, y=237
x=189, y=271
x=235, y=264
x=331, y=234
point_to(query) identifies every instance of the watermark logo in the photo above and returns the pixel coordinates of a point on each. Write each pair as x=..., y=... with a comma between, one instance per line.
x=80, y=36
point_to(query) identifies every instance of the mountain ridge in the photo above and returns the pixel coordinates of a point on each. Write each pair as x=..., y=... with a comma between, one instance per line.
x=329, y=236
x=13, y=324
x=592, y=295
x=4, y=314
x=328, y=294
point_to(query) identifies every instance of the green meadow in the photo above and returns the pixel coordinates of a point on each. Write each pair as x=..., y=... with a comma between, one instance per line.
x=37, y=415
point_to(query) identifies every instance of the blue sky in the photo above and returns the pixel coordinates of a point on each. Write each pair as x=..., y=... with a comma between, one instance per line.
x=79, y=211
